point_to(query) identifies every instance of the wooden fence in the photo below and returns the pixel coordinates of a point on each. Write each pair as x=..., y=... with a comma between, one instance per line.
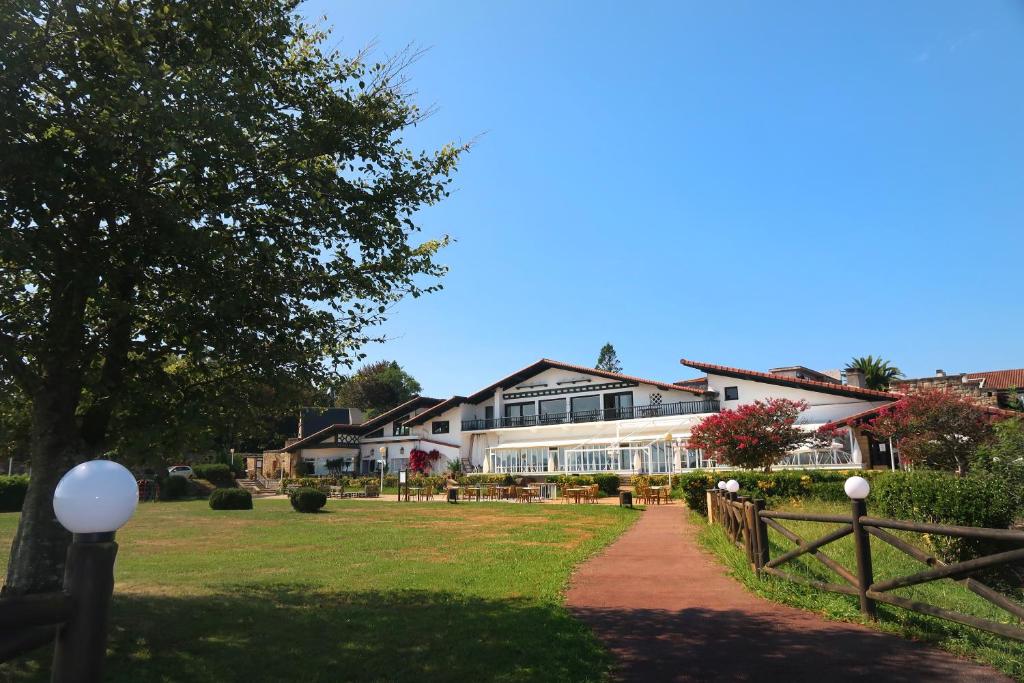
x=746, y=522
x=74, y=619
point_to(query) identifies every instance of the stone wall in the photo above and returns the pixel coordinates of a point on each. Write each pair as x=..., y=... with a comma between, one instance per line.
x=951, y=383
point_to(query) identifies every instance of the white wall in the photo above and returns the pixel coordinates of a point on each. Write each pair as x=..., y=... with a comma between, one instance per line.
x=824, y=407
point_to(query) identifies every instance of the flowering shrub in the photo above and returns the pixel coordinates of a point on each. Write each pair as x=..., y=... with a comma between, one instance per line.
x=756, y=435
x=420, y=461
x=935, y=429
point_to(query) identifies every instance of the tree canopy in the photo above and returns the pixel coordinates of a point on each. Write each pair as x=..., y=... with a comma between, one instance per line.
x=608, y=360
x=377, y=387
x=190, y=183
x=755, y=435
x=878, y=373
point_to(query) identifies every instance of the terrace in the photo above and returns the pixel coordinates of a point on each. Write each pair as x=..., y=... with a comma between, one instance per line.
x=621, y=413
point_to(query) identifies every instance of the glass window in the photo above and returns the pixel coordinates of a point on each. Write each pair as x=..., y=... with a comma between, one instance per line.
x=618, y=406
x=585, y=406
x=399, y=428
x=439, y=427
x=732, y=393
x=552, y=410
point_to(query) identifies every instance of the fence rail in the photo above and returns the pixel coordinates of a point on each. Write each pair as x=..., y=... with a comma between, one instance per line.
x=746, y=523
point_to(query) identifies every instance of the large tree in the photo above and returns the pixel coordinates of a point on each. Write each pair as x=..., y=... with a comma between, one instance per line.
x=377, y=387
x=608, y=360
x=878, y=373
x=201, y=181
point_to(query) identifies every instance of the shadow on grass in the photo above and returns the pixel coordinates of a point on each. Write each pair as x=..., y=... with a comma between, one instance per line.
x=700, y=644
x=292, y=632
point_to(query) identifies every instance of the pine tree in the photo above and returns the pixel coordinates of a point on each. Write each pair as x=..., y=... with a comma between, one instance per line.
x=608, y=359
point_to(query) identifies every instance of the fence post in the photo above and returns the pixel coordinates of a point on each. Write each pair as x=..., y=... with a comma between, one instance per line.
x=762, y=534
x=862, y=546
x=709, y=496
x=748, y=529
x=89, y=579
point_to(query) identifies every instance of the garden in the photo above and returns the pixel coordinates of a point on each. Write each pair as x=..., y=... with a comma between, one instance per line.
x=963, y=469
x=352, y=592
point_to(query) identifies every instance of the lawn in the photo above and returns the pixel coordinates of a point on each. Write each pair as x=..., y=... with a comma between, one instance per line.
x=365, y=590
x=1002, y=653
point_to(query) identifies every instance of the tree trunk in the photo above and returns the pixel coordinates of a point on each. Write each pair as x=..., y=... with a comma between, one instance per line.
x=40, y=544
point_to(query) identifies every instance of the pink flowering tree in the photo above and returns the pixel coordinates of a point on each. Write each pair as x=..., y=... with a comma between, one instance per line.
x=756, y=435
x=935, y=429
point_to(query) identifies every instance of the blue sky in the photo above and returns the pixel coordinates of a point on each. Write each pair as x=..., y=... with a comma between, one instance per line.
x=753, y=184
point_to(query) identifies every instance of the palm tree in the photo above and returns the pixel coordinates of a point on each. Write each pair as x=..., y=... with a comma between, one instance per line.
x=878, y=373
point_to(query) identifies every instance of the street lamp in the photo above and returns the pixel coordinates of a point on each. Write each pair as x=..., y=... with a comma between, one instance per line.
x=92, y=501
x=857, y=488
x=383, y=460
x=96, y=498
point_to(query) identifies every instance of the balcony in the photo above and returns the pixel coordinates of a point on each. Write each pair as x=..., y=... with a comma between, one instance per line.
x=631, y=413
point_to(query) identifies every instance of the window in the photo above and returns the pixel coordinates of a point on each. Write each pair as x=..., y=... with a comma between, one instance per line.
x=552, y=410
x=399, y=428
x=439, y=427
x=732, y=393
x=521, y=413
x=379, y=434
x=489, y=413
x=618, y=406
x=585, y=408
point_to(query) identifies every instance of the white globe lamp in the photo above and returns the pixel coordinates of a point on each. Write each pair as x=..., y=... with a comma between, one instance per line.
x=732, y=486
x=721, y=486
x=857, y=488
x=96, y=497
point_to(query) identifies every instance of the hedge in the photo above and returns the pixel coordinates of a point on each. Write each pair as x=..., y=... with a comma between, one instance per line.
x=12, y=492
x=308, y=500
x=231, y=499
x=979, y=499
x=174, y=488
x=216, y=473
x=772, y=486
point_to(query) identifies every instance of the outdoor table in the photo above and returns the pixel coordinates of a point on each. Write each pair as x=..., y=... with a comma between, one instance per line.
x=415, y=490
x=473, y=489
x=503, y=491
x=657, y=490
x=533, y=491
x=575, y=493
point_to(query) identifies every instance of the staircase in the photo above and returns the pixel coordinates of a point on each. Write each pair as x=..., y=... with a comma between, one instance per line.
x=467, y=465
x=256, y=486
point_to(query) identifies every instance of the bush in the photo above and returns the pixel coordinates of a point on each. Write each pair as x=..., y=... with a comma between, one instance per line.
x=174, y=488
x=772, y=486
x=608, y=483
x=1004, y=457
x=217, y=474
x=978, y=499
x=12, y=492
x=231, y=499
x=308, y=500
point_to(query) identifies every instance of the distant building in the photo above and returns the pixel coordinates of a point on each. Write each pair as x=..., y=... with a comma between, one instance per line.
x=996, y=388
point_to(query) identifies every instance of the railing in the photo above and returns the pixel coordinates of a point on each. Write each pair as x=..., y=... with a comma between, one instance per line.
x=74, y=619
x=630, y=413
x=746, y=522
x=267, y=483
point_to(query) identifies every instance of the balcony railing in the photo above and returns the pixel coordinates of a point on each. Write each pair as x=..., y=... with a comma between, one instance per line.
x=630, y=413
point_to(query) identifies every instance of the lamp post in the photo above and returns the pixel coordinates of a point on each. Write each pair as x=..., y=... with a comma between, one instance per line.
x=858, y=488
x=92, y=501
x=383, y=460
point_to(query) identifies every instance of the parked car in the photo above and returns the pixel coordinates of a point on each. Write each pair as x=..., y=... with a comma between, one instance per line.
x=180, y=471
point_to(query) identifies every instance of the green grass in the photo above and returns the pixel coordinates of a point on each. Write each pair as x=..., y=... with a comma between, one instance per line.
x=1002, y=653
x=363, y=591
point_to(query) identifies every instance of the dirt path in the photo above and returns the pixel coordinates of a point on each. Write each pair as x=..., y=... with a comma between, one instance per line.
x=669, y=612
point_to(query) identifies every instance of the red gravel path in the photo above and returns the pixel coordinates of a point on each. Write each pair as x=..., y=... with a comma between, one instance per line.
x=669, y=612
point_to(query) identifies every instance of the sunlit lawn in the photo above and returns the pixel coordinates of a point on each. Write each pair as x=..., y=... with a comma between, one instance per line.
x=362, y=591
x=888, y=562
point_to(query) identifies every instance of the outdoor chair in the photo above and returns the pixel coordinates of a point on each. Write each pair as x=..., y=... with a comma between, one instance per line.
x=591, y=493
x=513, y=493
x=491, y=493
x=427, y=492
x=371, y=491
x=525, y=495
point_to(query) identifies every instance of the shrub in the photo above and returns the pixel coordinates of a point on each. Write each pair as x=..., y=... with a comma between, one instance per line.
x=772, y=486
x=308, y=500
x=231, y=499
x=12, y=492
x=174, y=488
x=608, y=483
x=216, y=473
x=978, y=499
x=1004, y=457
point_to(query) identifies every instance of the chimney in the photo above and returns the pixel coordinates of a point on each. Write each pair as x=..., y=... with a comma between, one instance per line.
x=940, y=373
x=855, y=378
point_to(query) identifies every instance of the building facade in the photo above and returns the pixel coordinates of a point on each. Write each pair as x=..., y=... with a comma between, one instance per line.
x=557, y=418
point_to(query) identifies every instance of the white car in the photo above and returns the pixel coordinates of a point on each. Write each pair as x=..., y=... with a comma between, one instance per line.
x=180, y=471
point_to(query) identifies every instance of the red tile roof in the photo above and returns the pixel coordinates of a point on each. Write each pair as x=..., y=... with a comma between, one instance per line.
x=850, y=420
x=998, y=379
x=786, y=381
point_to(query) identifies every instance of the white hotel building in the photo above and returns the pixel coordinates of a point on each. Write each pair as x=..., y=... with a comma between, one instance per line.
x=556, y=418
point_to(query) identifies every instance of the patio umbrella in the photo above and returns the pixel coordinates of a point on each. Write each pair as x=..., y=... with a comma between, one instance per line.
x=638, y=463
